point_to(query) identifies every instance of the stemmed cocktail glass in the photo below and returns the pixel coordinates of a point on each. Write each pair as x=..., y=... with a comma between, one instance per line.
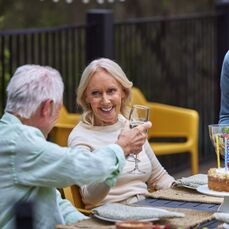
x=138, y=115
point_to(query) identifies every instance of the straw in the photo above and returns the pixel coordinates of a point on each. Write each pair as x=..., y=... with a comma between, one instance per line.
x=217, y=150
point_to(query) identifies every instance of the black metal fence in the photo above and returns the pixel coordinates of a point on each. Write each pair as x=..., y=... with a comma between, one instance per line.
x=62, y=48
x=172, y=60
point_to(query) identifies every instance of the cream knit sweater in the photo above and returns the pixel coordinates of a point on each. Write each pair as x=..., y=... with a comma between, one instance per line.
x=127, y=185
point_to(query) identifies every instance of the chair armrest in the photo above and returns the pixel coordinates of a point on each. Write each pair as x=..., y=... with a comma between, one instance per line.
x=84, y=211
x=172, y=121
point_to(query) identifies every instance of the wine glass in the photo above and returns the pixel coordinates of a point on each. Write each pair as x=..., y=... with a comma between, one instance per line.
x=219, y=135
x=138, y=115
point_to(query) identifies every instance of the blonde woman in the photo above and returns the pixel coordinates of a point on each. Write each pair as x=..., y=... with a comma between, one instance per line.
x=104, y=93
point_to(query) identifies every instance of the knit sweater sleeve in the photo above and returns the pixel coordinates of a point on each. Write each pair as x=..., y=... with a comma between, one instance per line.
x=78, y=138
x=94, y=193
x=159, y=179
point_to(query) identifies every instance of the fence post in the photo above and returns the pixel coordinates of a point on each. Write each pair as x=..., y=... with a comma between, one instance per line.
x=99, y=35
x=222, y=26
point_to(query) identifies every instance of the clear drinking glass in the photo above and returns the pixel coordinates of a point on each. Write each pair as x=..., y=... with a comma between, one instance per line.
x=138, y=115
x=219, y=135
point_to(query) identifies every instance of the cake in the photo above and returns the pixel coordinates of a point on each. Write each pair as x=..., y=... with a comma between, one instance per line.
x=218, y=180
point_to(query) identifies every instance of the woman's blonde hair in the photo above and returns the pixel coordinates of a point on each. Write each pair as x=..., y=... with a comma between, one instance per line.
x=115, y=71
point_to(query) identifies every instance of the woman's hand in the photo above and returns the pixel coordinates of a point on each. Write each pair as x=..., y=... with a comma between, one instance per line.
x=132, y=140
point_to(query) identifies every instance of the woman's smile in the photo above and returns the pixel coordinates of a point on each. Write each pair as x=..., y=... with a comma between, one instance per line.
x=107, y=109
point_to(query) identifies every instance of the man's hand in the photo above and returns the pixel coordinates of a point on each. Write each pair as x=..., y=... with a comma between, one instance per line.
x=132, y=140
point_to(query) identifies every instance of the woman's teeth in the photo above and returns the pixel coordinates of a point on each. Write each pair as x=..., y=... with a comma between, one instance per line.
x=106, y=109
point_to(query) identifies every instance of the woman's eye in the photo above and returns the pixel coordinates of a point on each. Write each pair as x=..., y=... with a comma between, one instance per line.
x=112, y=91
x=95, y=93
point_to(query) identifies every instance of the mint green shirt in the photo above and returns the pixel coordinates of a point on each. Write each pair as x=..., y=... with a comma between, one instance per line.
x=31, y=169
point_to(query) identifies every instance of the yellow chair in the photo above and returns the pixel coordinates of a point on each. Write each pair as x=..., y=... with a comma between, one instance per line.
x=72, y=193
x=64, y=126
x=171, y=122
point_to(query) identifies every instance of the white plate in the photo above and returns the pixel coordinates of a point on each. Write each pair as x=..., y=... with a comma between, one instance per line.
x=143, y=220
x=205, y=190
x=116, y=220
x=226, y=226
x=187, y=186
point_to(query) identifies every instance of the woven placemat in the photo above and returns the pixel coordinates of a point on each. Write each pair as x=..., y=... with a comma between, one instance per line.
x=192, y=218
x=184, y=194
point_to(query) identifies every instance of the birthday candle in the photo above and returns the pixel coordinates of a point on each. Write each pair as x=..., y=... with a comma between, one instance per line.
x=225, y=154
x=217, y=150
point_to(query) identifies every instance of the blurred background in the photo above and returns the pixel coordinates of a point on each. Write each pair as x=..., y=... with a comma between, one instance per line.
x=16, y=14
x=171, y=50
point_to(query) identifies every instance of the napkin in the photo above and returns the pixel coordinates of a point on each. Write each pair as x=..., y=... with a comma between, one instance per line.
x=118, y=211
x=221, y=216
x=193, y=181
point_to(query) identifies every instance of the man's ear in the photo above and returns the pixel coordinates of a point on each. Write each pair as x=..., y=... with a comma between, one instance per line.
x=47, y=108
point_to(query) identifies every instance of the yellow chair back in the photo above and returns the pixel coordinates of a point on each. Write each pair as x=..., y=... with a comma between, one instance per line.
x=66, y=122
x=171, y=122
x=72, y=193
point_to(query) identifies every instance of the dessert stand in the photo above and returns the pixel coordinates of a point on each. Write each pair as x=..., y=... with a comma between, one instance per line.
x=224, y=207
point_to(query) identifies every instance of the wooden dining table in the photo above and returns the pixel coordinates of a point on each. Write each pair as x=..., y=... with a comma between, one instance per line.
x=198, y=210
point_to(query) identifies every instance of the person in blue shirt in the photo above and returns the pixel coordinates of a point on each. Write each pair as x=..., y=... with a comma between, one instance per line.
x=31, y=168
x=224, y=85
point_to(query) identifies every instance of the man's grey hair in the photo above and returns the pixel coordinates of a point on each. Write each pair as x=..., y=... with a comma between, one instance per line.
x=30, y=86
